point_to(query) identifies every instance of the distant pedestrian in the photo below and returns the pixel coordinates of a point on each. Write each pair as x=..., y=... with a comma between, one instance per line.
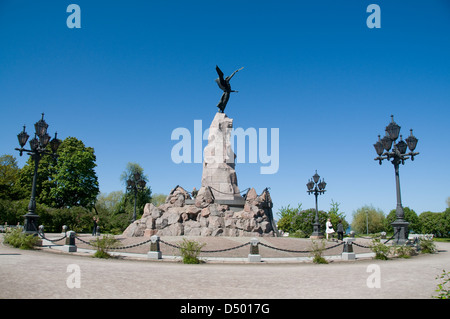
x=94, y=230
x=329, y=230
x=340, y=230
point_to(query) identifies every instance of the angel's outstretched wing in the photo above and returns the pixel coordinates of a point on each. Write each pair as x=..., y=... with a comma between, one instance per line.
x=220, y=81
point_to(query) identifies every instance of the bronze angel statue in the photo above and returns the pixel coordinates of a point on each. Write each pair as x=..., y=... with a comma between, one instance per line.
x=224, y=85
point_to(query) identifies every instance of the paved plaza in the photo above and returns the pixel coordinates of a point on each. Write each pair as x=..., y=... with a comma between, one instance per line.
x=49, y=274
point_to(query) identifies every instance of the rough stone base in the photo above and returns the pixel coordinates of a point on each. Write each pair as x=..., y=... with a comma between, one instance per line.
x=205, y=217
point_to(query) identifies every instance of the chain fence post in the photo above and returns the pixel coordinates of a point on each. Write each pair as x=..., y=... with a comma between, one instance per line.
x=254, y=256
x=155, y=252
x=70, y=245
x=347, y=253
x=40, y=231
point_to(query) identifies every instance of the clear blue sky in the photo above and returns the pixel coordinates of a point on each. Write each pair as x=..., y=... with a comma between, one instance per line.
x=137, y=70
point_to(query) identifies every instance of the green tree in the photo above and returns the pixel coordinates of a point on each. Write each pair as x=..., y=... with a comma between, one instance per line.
x=45, y=179
x=11, y=212
x=143, y=197
x=66, y=181
x=158, y=199
x=303, y=221
x=374, y=216
x=286, y=220
x=111, y=211
x=9, y=175
x=300, y=222
x=76, y=183
x=335, y=216
x=437, y=224
x=410, y=216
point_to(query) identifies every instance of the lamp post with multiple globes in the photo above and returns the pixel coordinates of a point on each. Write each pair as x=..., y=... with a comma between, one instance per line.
x=38, y=148
x=316, y=187
x=388, y=149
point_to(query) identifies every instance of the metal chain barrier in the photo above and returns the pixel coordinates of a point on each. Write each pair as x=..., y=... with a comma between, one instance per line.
x=298, y=251
x=131, y=246
x=360, y=245
x=226, y=249
x=83, y=241
x=363, y=246
x=115, y=248
x=206, y=251
x=42, y=235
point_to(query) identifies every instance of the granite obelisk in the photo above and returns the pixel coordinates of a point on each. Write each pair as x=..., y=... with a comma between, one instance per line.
x=219, y=160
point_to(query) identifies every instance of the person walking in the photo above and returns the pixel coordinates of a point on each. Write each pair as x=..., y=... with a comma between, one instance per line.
x=340, y=230
x=329, y=228
x=94, y=230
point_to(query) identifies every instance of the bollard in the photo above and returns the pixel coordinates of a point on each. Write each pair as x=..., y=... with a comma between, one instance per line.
x=154, y=252
x=40, y=231
x=70, y=246
x=383, y=235
x=254, y=256
x=97, y=231
x=347, y=253
x=64, y=230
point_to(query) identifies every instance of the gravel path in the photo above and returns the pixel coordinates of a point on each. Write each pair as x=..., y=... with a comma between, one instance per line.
x=42, y=274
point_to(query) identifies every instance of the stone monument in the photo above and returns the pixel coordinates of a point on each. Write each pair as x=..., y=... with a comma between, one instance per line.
x=218, y=208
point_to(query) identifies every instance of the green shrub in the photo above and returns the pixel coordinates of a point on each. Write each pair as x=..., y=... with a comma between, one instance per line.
x=105, y=243
x=404, y=251
x=16, y=238
x=442, y=287
x=190, y=249
x=317, y=250
x=427, y=246
x=381, y=250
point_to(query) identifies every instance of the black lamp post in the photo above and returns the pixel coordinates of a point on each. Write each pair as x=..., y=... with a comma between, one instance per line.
x=397, y=155
x=37, y=149
x=135, y=184
x=316, y=187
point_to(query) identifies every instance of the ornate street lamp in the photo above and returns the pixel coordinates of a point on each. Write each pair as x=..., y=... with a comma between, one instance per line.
x=316, y=187
x=135, y=184
x=37, y=149
x=397, y=155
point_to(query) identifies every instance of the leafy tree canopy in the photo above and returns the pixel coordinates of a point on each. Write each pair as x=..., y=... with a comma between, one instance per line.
x=9, y=173
x=67, y=181
x=370, y=215
x=76, y=182
x=410, y=216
